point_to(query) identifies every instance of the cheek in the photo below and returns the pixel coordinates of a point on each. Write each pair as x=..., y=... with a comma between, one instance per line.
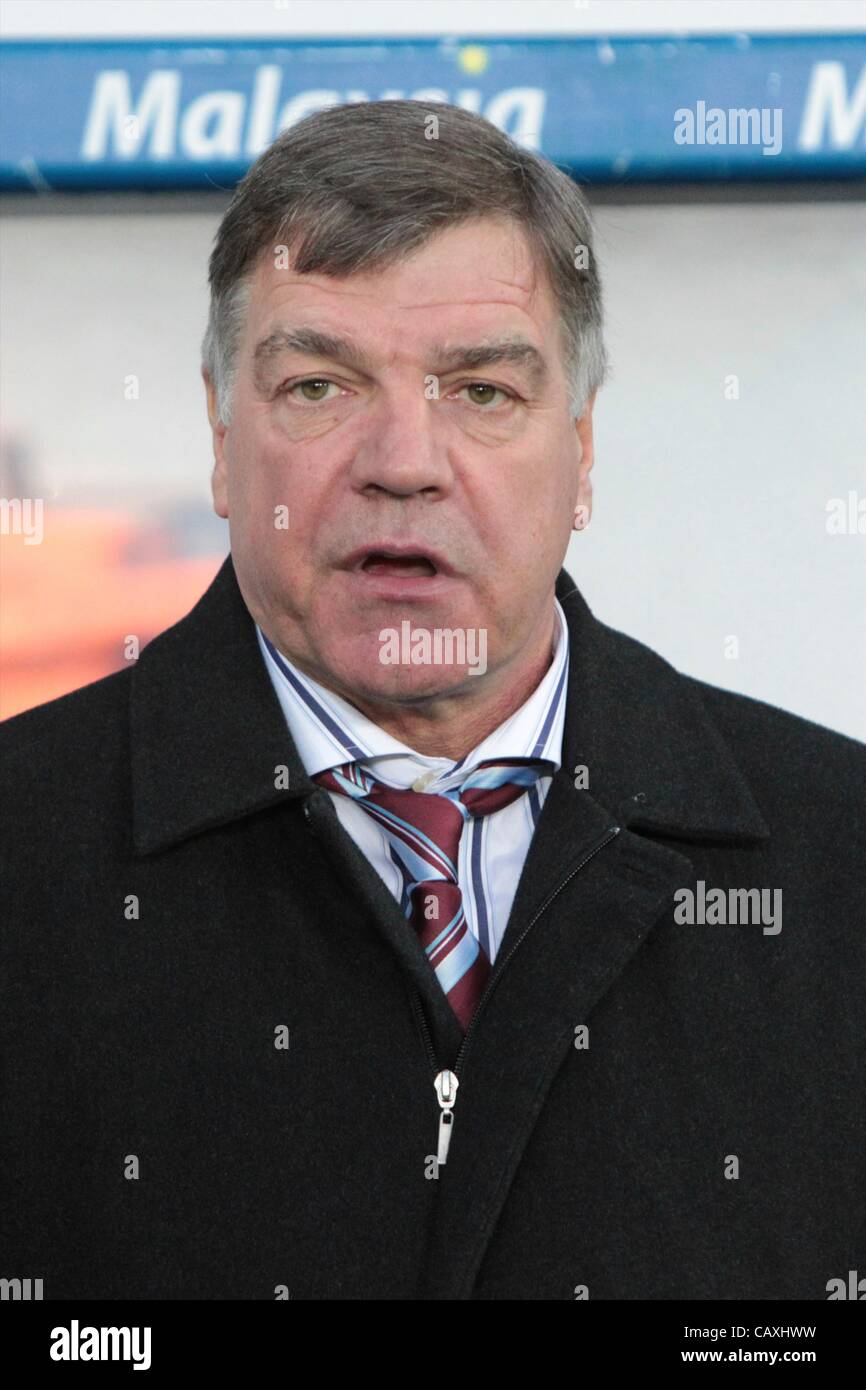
x=526, y=512
x=271, y=489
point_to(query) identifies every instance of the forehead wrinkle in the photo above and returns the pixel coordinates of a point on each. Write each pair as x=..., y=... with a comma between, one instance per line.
x=346, y=286
x=343, y=287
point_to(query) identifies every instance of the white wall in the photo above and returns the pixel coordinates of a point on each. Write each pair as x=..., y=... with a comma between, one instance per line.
x=102, y=18
x=711, y=513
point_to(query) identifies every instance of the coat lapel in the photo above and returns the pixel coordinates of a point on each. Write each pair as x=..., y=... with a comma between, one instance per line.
x=207, y=732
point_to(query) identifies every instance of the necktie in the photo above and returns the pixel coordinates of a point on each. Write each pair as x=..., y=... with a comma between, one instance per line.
x=424, y=830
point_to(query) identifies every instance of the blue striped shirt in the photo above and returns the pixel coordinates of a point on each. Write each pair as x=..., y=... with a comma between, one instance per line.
x=328, y=731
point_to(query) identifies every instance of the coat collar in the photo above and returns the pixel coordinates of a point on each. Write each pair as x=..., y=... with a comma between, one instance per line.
x=208, y=736
x=655, y=757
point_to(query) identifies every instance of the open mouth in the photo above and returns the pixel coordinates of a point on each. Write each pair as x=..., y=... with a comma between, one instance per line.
x=400, y=566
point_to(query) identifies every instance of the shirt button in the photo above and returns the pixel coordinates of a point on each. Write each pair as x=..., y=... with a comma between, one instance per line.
x=422, y=783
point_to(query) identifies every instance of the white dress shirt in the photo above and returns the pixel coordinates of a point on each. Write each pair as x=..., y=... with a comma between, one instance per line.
x=328, y=731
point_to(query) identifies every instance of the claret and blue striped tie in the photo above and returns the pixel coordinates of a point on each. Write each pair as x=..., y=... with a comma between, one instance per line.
x=424, y=830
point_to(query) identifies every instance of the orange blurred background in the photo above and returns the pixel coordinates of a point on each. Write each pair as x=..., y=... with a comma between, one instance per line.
x=99, y=576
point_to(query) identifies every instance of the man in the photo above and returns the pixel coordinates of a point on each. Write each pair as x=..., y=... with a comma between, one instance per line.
x=394, y=929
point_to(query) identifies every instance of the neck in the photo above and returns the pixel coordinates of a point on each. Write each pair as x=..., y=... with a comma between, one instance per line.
x=451, y=725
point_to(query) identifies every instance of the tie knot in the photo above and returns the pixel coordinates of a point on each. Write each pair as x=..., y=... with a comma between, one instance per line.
x=488, y=787
x=495, y=783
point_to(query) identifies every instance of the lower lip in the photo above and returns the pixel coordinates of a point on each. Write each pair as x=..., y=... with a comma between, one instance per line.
x=400, y=588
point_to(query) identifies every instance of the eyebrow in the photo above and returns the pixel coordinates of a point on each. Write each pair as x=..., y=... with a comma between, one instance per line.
x=314, y=343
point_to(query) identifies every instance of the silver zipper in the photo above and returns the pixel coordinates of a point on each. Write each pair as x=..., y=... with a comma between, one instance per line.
x=446, y=1084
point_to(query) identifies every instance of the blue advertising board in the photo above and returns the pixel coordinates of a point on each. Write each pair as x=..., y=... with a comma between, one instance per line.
x=195, y=113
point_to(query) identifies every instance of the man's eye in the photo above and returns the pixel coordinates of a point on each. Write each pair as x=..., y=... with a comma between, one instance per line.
x=314, y=389
x=482, y=393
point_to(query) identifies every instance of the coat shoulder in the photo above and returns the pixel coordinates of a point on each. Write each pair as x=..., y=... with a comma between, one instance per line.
x=758, y=720
x=795, y=767
x=67, y=739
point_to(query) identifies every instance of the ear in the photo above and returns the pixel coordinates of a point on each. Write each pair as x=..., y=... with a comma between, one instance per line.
x=583, y=502
x=219, y=476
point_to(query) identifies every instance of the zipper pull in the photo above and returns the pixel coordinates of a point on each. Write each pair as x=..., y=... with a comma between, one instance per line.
x=446, y=1084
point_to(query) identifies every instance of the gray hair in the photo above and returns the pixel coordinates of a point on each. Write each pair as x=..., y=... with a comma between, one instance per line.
x=361, y=186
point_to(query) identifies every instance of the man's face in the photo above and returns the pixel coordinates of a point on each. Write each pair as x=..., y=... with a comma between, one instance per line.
x=422, y=451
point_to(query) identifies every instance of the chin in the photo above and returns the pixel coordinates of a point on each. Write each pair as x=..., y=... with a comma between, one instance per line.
x=404, y=684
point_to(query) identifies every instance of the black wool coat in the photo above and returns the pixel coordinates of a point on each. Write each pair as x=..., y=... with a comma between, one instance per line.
x=219, y=1038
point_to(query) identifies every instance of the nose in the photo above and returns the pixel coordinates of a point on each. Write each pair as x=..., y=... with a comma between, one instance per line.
x=401, y=450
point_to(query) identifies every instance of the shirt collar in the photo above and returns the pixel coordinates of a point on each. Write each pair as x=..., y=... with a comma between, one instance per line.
x=328, y=731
